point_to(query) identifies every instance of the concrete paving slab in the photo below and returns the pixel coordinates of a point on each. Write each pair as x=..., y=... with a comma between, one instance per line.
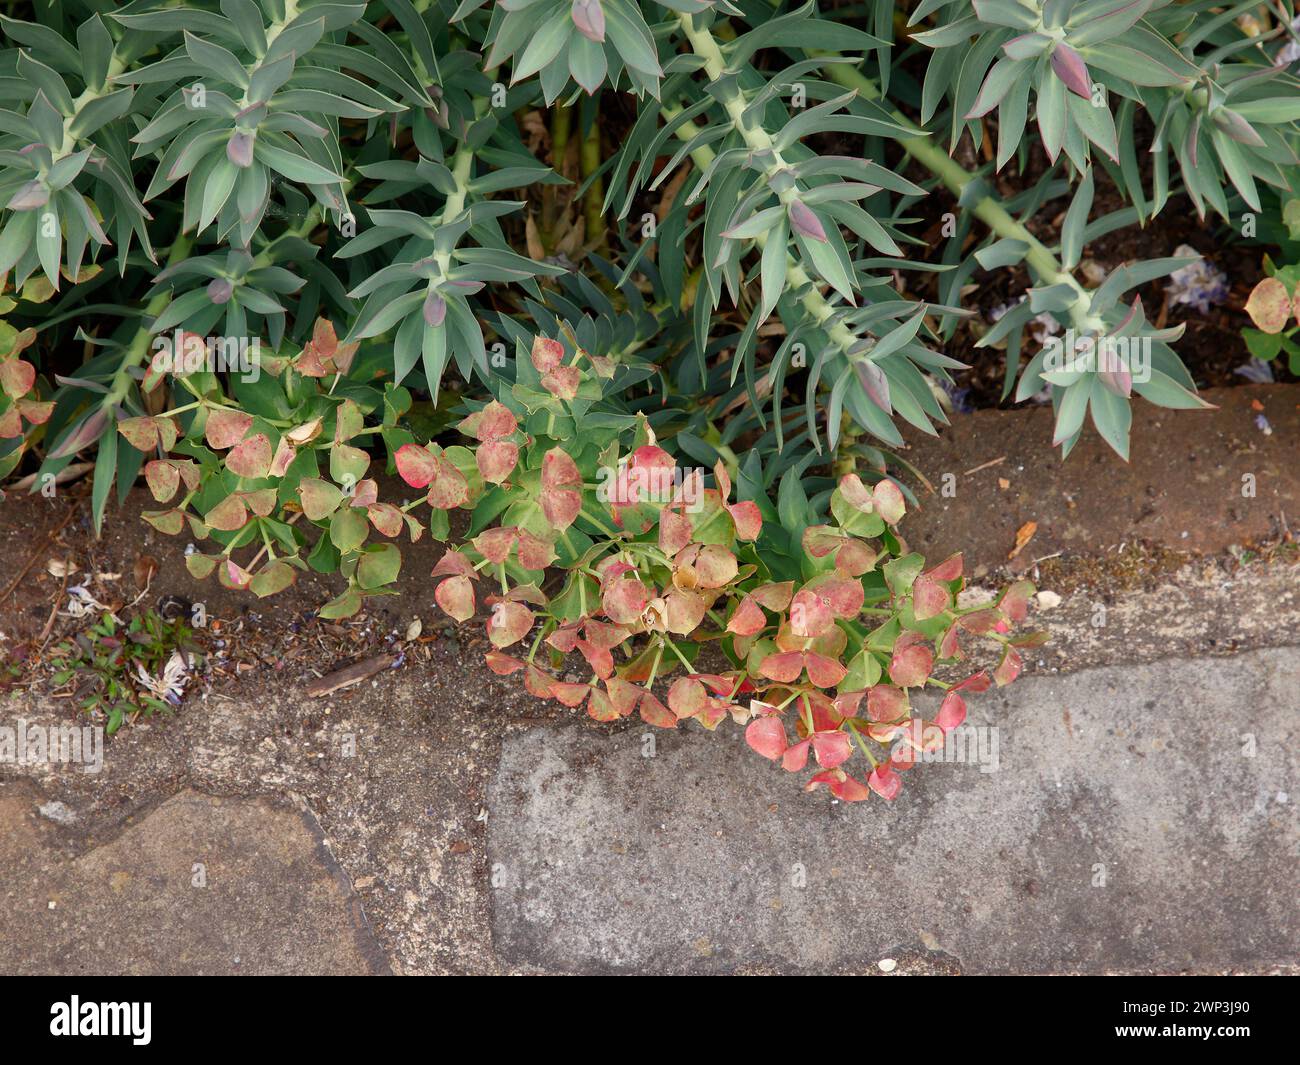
x=1140, y=819
x=406, y=816
x=198, y=885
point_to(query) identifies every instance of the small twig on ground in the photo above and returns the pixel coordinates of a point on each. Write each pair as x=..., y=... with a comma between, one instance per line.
x=992, y=462
x=65, y=476
x=353, y=674
x=54, y=612
x=47, y=540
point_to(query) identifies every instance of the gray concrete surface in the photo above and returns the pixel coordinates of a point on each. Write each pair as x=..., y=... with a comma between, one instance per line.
x=1140, y=818
x=198, y=886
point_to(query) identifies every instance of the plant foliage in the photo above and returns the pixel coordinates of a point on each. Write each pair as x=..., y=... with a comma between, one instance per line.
x=265, y=252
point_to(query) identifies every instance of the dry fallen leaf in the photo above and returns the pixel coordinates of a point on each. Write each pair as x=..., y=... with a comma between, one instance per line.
x=1023, y=535
x=144, y=569
x=536, y=250
x=536, y=135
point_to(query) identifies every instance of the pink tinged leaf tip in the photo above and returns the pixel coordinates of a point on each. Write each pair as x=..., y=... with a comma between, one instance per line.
x=220, y=290
x=30, y=196
x=239, y=149
x=1068, y=65
x=805, y=222
x=875, y=384
x=589, y=17
x=435, y=310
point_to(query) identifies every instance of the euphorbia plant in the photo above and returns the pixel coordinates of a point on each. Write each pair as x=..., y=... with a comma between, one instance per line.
x=701, y=203
x=251, y=165
x=597, y=543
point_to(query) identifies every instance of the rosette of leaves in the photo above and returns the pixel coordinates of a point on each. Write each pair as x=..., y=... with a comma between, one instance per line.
x=258, y=104
x=234, y=289
x=1224, y=116
x=592, y=42
x=775, y=215
x=239, y=472
x=422, y=294
x=55, y=147
x=597, y=544
x=1100, y=390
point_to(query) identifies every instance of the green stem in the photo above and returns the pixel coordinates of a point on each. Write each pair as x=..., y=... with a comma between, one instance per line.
x=280, y=25
x=758, y=140
x=595, y=196
x=807, y=714
x=138, y=348
x=926, y=151
x=537, y=642
x=561, y=125
x=854, y=728
x=654, y=670
x=116, y=65
x=461, y=165
x=680, y=657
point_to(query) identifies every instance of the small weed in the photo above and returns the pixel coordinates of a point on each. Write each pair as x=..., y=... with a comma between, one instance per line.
x=118, y=673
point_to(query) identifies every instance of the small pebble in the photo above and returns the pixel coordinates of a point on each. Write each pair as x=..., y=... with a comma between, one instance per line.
x=886, y=965
x=58, y=812
x=1047, y=600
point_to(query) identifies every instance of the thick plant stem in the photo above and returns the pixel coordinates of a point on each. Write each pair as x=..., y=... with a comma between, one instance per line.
x=461, y=165
x=135, y=351
x=116, y=66
x=595, y=197
x=703, y=44
x=561, y=125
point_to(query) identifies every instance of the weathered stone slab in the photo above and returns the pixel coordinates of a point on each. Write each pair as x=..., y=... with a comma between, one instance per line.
x=199, y=885
x=1140, y=818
